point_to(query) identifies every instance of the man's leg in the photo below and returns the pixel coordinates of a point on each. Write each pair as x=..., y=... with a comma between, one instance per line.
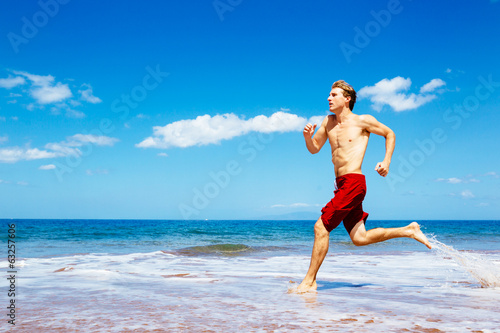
x=320, y=249
x=360, y=236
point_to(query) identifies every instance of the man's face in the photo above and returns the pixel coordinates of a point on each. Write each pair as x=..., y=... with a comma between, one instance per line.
x=336, y=100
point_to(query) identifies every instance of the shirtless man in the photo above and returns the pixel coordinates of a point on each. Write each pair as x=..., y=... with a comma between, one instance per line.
x=348, y=134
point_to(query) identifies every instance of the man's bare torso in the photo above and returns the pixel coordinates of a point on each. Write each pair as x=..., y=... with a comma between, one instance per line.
x=348, y=141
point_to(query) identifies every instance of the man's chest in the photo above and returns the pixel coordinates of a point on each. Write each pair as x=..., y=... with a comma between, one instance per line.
x=342, y=135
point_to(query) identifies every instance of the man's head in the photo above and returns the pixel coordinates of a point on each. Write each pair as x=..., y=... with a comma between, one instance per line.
x=347, y=91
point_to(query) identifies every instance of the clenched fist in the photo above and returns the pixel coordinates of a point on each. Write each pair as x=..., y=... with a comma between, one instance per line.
x=309, y=130
x=382, y=168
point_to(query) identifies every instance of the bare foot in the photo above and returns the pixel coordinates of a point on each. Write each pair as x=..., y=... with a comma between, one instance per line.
x=305, y=287
x=418, y=235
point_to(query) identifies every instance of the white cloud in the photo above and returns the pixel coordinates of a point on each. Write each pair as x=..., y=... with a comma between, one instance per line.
x=95, y=139
x=162, y=154
x=51, y=94
x=52, y=150
x=58, y=108
x=11, y=82
x=393, y=93
x=431, y=86
x=37, y=80
x=466, y=194
x=316, y=120
x=72, y=143
x=63, y=149
x=36, y=154
x=4, y=138
x=47, y=167
x=74, y=103
x=14, y=154
x=71, y=113
x=88, y=95
x=43, y=89
x=454, y=180
x=450, y=180
x=491, y=174
x=454, y=73
x=46, y=91
x=206, y=129
x=300, y=204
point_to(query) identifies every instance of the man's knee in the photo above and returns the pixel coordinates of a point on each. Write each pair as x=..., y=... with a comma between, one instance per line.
x=358, y=234
x=320, y=229
x=358, y=240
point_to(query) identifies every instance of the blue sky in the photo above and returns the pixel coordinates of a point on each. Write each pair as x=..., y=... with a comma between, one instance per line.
x=174, y=109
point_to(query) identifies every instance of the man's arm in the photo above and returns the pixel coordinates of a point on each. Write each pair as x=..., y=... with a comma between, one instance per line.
x=314, y=144
x=376, y=127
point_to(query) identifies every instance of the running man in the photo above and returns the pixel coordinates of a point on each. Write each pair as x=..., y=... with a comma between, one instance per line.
x=348, y=135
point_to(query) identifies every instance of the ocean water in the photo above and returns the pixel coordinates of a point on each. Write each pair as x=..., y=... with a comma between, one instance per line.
x=234, y=276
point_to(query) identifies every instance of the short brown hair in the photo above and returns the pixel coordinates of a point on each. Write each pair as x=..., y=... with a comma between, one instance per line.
x=348, y=91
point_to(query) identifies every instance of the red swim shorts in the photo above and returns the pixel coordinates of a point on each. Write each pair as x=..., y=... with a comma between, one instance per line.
x=346, y=205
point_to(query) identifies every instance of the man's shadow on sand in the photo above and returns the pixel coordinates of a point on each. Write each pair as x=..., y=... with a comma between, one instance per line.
x=325, y=285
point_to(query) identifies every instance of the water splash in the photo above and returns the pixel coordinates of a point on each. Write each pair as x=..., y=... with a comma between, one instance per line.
x=486, y=272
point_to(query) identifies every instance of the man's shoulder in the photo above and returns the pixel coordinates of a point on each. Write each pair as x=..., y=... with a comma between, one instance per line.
x=330, y=120
x=366, y=118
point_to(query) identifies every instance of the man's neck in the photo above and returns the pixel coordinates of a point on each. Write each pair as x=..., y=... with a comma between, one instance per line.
x=343, y=115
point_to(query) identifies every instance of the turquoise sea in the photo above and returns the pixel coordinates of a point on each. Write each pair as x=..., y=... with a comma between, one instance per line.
x=234, y=276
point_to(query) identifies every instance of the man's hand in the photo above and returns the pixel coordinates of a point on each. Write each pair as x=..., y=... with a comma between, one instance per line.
x=382, y=168
x=314, y=142
x=309, y=131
